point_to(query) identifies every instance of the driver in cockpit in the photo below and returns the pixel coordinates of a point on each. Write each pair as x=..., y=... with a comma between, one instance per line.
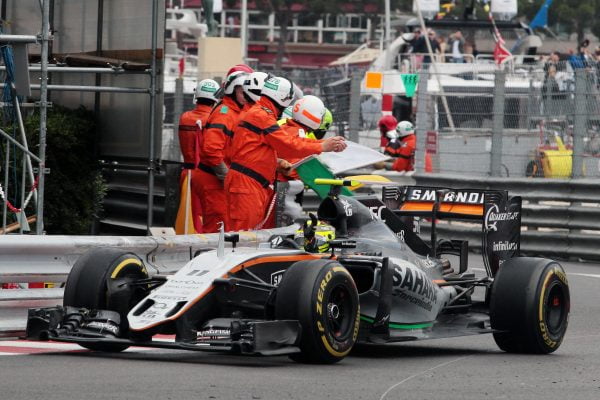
x=314, y=236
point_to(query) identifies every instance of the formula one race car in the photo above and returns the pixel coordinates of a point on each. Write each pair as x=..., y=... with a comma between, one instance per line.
x=378, y=282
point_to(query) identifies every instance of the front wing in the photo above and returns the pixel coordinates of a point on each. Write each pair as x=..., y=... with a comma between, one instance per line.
x=82, y=326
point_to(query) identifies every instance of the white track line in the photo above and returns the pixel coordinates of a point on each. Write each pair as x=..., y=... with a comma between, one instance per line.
x=586, y=275
x=419, y=374
x=28, y=346
x=39, y=345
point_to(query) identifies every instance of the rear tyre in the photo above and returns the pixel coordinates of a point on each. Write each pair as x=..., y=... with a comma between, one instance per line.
x=322, y=296
x=98, y=281
x=530, y=303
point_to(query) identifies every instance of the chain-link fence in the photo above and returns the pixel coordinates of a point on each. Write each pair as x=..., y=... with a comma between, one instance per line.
x=332, y=85
x=538, y=120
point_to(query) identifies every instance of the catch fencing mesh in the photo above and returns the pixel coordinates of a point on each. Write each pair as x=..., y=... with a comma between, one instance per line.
x=536, y=124
x=330, y=84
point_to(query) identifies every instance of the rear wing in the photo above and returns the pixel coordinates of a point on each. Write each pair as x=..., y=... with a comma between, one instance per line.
x=420, y=201
x=499, y=214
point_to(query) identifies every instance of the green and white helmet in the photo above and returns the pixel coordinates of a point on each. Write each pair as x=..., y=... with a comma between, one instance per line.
x=405, y=128
x=279, y=90
x=206, y=89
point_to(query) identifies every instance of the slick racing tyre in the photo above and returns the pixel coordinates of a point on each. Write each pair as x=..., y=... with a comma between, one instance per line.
x=99, y=281
x=530, y=304
x=322, y=296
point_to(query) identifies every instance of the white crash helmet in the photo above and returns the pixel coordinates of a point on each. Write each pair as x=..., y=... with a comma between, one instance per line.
x=278, y=89
x=206, y=89
x=405, y=128
x=254, y=84
x=309, y=111
x=233, y=80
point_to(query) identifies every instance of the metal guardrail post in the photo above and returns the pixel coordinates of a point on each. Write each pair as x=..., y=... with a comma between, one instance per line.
x=423, y=121
x=580, y=120
x=354, y=117
x=497, y=123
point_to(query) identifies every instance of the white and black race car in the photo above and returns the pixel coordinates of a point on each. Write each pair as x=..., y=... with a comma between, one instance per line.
x=380, y=283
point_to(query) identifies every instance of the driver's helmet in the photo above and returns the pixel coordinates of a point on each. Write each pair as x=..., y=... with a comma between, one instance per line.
x=315, y=240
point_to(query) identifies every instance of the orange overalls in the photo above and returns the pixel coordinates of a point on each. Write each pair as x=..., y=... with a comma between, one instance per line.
x=216, y=138
x=257, y=143
x=403, y=149
x=189, y=142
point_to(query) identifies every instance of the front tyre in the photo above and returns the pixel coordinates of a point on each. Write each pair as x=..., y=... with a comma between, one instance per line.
x=530, y=302
x=322, y=296
x=99, y=280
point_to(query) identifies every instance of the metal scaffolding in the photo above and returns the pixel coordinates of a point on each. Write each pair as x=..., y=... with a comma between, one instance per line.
x=43, y=87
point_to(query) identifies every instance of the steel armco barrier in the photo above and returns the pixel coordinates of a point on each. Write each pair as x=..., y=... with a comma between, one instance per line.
x=50, y=258
x=560, y=217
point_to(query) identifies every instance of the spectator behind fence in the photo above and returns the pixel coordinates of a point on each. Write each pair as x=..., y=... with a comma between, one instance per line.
x=553, y=60
x=435, y=46
x=418, y=47
x=474, y=50
x=582, y=58
x=418, y=44
x=551, y=92
x=457, y=43
x=443, y=48
x=469, y=52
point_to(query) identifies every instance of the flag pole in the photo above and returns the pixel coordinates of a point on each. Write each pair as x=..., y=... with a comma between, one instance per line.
x=435, y=69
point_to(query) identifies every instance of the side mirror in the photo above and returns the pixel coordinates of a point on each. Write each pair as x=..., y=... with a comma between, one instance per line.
x=232, y=238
